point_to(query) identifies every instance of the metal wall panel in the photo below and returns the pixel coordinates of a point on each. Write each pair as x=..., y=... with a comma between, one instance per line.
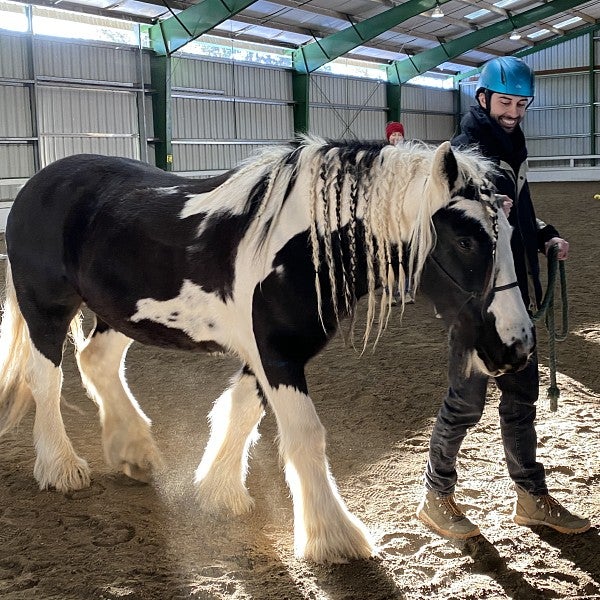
x=427, y=99
x=15, y=116
x=415, y=126
x=16, y=160
x=54, y=147
x=569, y=54
x=203, y=75
x=210, y=157
x=340, y=123
x=440, y=100
x=73, y=120
x=72, y=110
x=556, y=122
x=85, y=61
x=14, y=61
x=264, y=121
x=262, y=82
x=335, y=90
x=203, y=119
x=562, y=90
x=559, y=146
x=439, y=128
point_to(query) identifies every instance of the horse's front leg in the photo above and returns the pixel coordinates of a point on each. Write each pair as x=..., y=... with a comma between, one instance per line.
x=221, y=475
x=324, y=529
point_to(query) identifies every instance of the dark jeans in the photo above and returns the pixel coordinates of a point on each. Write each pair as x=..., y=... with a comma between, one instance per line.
x=462, y=408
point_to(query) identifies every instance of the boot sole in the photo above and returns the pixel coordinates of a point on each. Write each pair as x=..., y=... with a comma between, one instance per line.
x=445, y=532
x=529, y=522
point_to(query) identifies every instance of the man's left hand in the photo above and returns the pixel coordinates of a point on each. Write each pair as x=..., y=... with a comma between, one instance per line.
x=563, y=247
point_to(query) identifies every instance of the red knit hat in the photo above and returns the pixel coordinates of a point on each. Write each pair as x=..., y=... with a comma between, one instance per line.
x=393, y=127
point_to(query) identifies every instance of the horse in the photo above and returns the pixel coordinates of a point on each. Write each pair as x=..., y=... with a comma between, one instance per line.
x=266, y=262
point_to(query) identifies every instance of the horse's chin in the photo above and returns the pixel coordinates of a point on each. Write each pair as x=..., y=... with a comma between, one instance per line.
x=483, y=365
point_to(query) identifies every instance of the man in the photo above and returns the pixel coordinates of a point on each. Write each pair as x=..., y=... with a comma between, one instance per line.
x=505, y=90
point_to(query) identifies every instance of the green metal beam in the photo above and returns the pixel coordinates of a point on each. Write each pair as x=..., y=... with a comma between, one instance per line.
x=300, y=94
x=175, y=32
x=393, y=94
x=404, y=70
x=316, y=54
x=160, y=77
x=556, y=41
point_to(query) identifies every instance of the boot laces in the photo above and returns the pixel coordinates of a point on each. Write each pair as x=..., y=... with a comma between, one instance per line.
x=449, y=505
x=550, y=505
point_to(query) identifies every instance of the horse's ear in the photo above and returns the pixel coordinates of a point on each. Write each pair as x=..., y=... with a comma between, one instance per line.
x=445, y=166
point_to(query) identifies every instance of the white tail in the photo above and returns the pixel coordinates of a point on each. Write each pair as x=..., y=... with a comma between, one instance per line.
x=15, y=348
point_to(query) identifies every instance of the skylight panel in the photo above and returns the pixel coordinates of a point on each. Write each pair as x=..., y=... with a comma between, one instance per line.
x=477, y=14
x=568, y=22
x=503, y=3
x=538, y=33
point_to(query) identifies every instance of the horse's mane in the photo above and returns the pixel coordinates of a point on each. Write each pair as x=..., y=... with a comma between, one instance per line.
x=352, y=181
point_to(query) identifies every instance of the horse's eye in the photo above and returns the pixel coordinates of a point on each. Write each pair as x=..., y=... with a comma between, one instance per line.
x=465, y=243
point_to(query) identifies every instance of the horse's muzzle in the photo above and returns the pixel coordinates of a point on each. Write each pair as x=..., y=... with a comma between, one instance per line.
x=513, y=358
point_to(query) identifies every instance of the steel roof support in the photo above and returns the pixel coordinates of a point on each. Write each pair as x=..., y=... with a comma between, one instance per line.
x=175, y=32
x=537, y=48
x=310, y=57
x=404, y=70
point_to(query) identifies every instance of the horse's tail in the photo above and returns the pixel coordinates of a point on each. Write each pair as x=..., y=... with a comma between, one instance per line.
x=15, y=349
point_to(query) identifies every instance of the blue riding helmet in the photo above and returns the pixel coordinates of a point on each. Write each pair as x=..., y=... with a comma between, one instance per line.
x=507, y=75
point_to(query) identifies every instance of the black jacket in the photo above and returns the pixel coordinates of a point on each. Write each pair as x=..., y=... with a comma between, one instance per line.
x=509, y=153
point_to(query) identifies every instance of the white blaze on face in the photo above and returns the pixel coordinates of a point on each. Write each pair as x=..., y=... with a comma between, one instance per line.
x=513, y=324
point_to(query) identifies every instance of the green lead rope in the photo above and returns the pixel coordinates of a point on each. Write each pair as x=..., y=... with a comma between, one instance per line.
x=547, y=310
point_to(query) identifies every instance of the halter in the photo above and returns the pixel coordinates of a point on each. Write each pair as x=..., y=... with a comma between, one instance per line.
x=470, y=294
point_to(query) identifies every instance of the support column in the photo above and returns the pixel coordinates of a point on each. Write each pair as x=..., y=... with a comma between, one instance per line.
x=301, y=96
x=393, y=94
x=160, y=73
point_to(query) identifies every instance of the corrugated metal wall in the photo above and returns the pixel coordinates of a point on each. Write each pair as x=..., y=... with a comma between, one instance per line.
x=347, y=108
x=224, y=111
x=62, y=97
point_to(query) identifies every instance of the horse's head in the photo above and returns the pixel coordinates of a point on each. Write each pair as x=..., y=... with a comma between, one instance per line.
x=471, y=279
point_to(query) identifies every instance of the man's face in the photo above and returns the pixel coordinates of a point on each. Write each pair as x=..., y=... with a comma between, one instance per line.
x=507, y=110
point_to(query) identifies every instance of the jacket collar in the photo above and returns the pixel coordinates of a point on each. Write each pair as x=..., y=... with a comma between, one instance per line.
x=493, y=141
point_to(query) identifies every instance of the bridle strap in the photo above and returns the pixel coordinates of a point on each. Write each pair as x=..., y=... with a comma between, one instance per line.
x=470, y=294
x=508, y=286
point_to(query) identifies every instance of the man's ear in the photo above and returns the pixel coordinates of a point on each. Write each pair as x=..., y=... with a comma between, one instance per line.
x=482, y=100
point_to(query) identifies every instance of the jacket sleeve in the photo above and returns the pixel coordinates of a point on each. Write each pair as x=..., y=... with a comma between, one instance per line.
x=545, y=233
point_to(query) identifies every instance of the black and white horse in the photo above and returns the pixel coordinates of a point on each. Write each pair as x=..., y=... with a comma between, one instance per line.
x=263, y=262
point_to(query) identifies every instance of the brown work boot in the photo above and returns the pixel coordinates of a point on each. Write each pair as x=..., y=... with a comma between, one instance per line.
x=442, y=514
x=546, y=510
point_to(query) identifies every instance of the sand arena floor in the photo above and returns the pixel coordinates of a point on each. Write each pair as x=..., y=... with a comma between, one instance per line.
x=124, y=540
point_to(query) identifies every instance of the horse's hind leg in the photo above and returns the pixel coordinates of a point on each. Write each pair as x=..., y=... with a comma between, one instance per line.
x=234, y=419
x=56, y=464
x=126, y=437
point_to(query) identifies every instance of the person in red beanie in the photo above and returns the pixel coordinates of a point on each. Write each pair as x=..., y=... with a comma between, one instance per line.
x=394, y=133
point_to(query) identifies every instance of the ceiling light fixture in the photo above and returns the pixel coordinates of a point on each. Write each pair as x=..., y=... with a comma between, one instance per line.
x=515, y=35
x=437, y=12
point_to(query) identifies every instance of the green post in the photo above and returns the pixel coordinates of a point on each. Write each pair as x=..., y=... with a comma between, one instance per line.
x=160, y=73
x=393, y=93
x=301, y=95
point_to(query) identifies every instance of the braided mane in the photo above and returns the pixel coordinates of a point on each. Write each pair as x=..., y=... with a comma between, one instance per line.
x=390, y=190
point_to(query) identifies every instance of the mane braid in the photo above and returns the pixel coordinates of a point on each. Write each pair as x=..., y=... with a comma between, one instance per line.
x=365, y=187
x=338, y=186
x=325, y=176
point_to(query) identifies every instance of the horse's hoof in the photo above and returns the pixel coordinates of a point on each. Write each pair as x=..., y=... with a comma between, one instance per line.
x=142, y=474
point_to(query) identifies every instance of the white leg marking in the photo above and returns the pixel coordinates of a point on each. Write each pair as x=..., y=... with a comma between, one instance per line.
x=221, y=474
x=126, y=436
x=324, y=529
x=56, y=465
